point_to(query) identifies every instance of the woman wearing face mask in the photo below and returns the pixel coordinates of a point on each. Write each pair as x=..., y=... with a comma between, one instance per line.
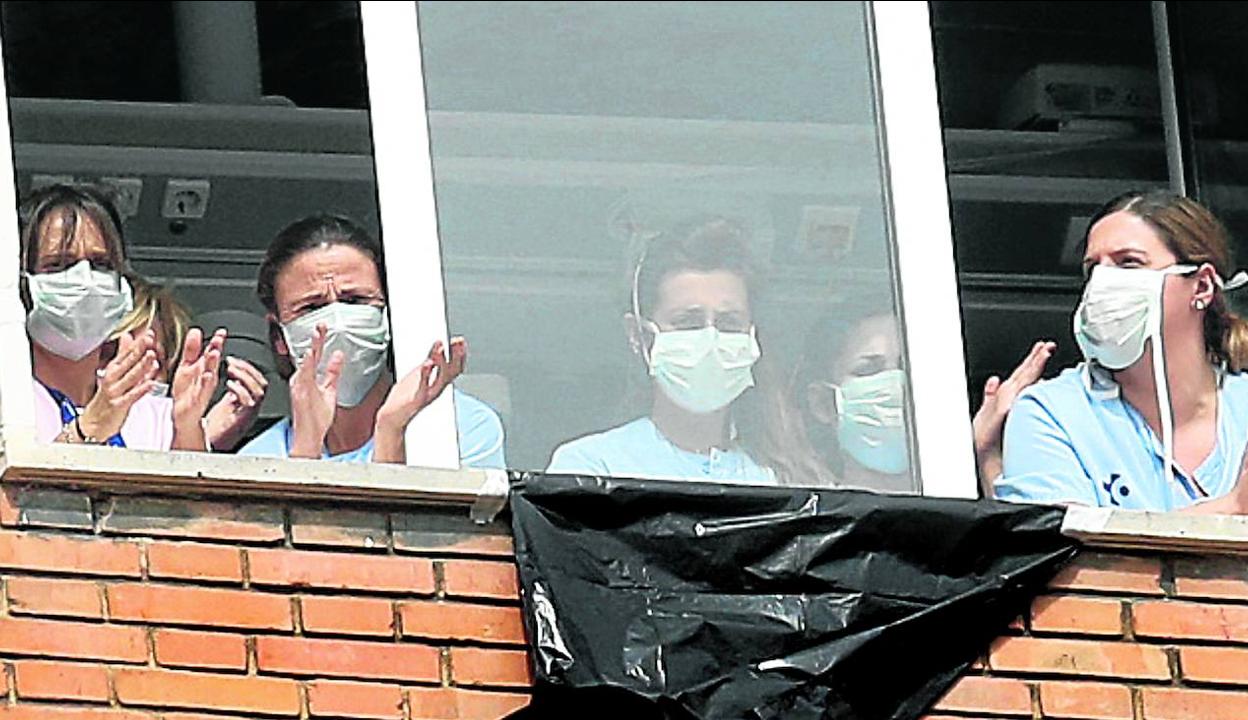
x=851, y=388
x=73, y=258
x=157, y=309
x=692, y=326
x=322, y=284
x=1157, y=416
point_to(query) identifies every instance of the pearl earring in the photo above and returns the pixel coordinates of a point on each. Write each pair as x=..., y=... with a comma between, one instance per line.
x=1198, y=304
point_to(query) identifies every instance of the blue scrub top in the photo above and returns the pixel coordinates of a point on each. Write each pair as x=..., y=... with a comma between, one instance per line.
x=1073, y=439
x=639, y=450
x=480, y=438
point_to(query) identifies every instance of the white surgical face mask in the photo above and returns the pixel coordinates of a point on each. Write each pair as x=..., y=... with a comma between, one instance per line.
x=703, y=370
x=75, y=310
x=1120, y=310
x=361, y=332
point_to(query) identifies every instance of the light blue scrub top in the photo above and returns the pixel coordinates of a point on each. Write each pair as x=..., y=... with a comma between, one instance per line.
x=639, y=450
x=480, y=438
x=1073, y=439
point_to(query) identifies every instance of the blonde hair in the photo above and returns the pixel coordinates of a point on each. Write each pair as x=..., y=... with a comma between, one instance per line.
x=157, y=304
x=1195, y=236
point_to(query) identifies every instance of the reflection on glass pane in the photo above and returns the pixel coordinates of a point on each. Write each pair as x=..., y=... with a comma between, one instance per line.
x=663, y=234
x=241, y=170
x=1049, y=110
x=1208, y=43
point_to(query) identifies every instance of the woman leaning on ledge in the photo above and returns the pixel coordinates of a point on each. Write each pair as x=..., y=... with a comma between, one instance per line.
x=1156, y=418
x=73, y=260
x=323, y=284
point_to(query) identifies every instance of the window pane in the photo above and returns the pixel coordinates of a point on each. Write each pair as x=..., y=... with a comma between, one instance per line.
x=1049, y=110
x=1207, y=40
x=664, y=237
x=240, y=118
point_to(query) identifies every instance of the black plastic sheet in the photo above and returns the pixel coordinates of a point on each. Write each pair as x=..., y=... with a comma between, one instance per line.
x=652, y=599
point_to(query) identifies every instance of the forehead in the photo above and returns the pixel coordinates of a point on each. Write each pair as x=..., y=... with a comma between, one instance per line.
x=1121, y=232
x=88, y=239
x=715, y=289
x=309, y=271
x=876, y=335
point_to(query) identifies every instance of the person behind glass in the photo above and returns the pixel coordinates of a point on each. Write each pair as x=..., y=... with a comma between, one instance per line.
x=322, y=283
x=851, y=388
x=691, y=324
x=73, y=260
x=157, y=309
x=1156, y=417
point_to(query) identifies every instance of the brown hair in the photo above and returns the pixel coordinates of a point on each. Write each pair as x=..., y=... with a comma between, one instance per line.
x=712, y=243
x=72, y=204
x=1195, y=236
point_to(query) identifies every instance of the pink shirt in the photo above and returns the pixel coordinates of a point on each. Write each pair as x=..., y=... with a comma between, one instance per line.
x=149, y=426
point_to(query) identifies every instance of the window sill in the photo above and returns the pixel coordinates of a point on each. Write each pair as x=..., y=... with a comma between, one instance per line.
x=229, y=476
x=1166, y=532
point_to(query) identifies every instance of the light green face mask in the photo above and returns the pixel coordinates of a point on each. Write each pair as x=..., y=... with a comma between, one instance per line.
x=703, y=370
x=871, y=420
x=75, y=310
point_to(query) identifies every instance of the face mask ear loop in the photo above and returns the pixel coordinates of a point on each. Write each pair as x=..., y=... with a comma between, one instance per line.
x=645, y=351
x=1163, y=396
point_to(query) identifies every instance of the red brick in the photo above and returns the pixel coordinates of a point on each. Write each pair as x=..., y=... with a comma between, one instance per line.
x=479, y=666
x=62, y=554
x=340, y=571
x=328, y=698
x=446, y=703
x=191, y=649
x=50, y=638
x=10, y=512
x=62, y=598
x=202, y=691
x=461, y=621
x=1211, y=577
x=1111, y=573
x=348, y=616
x=1086, y=701
x=1190, y=621
x=1183, y=704
x=199, y=606
x=348, y=658
x=1219, y=665
x=50, y=712
x=985, y=694
x=41, y=680
x=1079, y=657
x=481, y=578
x=194, y=561
x=1071, y=614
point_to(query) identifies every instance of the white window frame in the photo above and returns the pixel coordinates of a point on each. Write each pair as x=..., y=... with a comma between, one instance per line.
x=915, y=186
x=433, y=474
x=916, y=194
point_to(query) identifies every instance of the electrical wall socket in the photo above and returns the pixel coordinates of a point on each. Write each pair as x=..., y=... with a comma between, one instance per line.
x=128, y=190
x=185, y=199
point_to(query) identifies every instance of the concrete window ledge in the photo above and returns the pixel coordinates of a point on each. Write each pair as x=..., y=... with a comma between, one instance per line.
x=1167, y=532
x=483, y=492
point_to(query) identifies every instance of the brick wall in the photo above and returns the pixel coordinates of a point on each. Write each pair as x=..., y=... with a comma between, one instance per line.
x=1121, y=637
x=146, y=608
x=142, y=608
